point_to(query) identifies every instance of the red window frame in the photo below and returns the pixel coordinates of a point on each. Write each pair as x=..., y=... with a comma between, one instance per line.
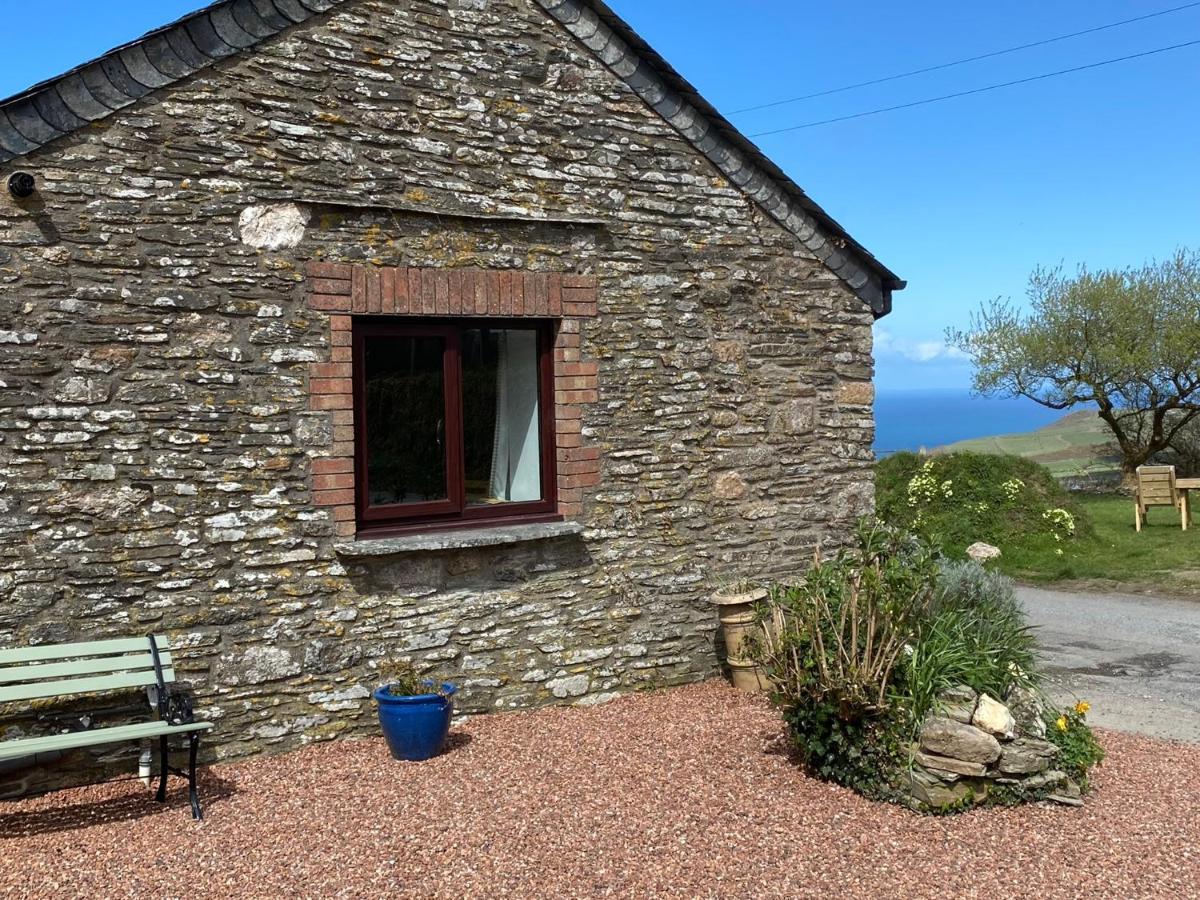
x=452, y=512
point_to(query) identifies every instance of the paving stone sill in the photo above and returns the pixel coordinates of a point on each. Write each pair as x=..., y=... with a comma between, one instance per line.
x=456, y=540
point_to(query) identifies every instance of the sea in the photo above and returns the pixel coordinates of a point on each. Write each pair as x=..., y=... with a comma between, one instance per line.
x=912, y=420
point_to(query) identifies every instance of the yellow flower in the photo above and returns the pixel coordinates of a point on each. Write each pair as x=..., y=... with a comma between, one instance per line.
x=1061, y=723
x=1082, y=707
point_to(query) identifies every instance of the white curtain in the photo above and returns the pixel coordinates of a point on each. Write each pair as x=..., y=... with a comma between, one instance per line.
x=516, y=457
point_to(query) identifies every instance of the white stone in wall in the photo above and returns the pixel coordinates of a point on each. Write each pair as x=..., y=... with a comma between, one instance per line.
x=571, y=686
x=277, y=226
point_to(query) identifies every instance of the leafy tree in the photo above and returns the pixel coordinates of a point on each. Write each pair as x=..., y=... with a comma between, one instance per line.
x=1184, y=453
x=1126, y=340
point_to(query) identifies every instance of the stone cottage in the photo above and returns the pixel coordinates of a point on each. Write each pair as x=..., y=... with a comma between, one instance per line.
x=462, y=331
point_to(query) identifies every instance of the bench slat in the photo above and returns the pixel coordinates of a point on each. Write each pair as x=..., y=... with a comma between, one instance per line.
x=67, y=686
x=28, y=746
x=92, y=666
x=86, y=648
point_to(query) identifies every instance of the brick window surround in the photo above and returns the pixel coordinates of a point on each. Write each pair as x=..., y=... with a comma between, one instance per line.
x=344, y=291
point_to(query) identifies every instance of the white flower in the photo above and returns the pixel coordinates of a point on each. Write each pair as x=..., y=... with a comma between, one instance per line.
x=923, y=487
x=1062, y=523
x=1012, y=488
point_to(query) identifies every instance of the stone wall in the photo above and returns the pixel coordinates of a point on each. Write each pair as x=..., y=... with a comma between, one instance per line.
x=156, y=441
x=973, y=749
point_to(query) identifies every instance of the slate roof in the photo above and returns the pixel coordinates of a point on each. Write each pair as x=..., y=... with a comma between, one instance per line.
x=122, y=76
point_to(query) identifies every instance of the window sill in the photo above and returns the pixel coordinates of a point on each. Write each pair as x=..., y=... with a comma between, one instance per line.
x=462, y=539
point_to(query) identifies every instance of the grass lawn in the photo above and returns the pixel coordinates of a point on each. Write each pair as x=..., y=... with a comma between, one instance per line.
x=1163, y=556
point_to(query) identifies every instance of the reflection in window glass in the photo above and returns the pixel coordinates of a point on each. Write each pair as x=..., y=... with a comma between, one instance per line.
x=405, y=419
x=500, y=415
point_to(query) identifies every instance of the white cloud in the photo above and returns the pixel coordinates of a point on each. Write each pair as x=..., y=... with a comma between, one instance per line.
x=887, y=344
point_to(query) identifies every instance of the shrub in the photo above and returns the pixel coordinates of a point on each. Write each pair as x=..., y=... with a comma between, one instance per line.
x=974, y=634
x=830, y=646
x=956, y=499
x=867, y=754
x=837, y=635
x=858, y=651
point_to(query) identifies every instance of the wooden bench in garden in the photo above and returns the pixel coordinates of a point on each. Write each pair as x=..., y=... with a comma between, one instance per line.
x=1156, y=486
x=64, y=670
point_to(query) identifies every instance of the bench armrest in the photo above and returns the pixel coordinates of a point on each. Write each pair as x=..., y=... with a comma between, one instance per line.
x=178, y=706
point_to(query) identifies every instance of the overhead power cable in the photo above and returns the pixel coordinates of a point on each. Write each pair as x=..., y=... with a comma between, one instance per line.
x=981, y=90
x=960, y=62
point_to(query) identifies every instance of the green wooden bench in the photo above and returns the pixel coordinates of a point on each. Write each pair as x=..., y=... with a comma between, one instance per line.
x=63, y=670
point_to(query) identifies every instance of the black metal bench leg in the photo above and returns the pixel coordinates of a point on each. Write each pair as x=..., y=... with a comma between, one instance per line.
x=193, y=794
x=161, y=796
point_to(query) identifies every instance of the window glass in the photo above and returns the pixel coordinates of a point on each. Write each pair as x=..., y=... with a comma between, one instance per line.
x=501, y=440
x=405, y=419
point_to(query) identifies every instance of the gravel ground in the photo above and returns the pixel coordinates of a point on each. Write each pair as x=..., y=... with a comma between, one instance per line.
x=679, y=793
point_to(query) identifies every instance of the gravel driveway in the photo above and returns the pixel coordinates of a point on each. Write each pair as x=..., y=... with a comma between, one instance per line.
x=678, y=793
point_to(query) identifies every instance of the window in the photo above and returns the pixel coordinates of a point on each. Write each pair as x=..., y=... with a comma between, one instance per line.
x=454, y=422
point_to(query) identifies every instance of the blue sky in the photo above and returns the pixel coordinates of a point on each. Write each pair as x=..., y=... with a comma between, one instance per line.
x=962, y=198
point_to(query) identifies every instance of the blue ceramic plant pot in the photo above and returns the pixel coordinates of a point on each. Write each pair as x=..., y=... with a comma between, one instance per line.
x=415, y=726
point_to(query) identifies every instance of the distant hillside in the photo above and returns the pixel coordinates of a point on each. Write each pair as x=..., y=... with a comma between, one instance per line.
x=1076, y=445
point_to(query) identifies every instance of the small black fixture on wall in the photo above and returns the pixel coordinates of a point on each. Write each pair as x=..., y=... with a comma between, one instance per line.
x=21, y=185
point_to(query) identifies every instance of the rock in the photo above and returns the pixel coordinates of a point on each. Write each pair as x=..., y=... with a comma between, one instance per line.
x=259, y=665
x=856, y=393
x=1026, y=756
x=729, y=486
x=729, y=351
x=278, y=226
x=109, y=503
x=963, y=693
x=933, y=792
x=947, y=764
x=981, y=552
x=79, y=389
x=958, y=703
x=945, y=737
x=1052, y=779
x=572, y=686
x=1029, y=711
x=793, y=417
x=1066, y=800
x=1068, y=795
x=18, y=337
x=993, y=717
x=957, y=711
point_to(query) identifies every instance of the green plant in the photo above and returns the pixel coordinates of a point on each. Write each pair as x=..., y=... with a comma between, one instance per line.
x=830, y=645
x=1160, y=557
x=974, y=633
x=858, y=651
x=1126, y=340
x=838, y=634
x=865, y=754
x=955, y=499
x=730, y=584
x=1079, y=750
x=402, y=679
